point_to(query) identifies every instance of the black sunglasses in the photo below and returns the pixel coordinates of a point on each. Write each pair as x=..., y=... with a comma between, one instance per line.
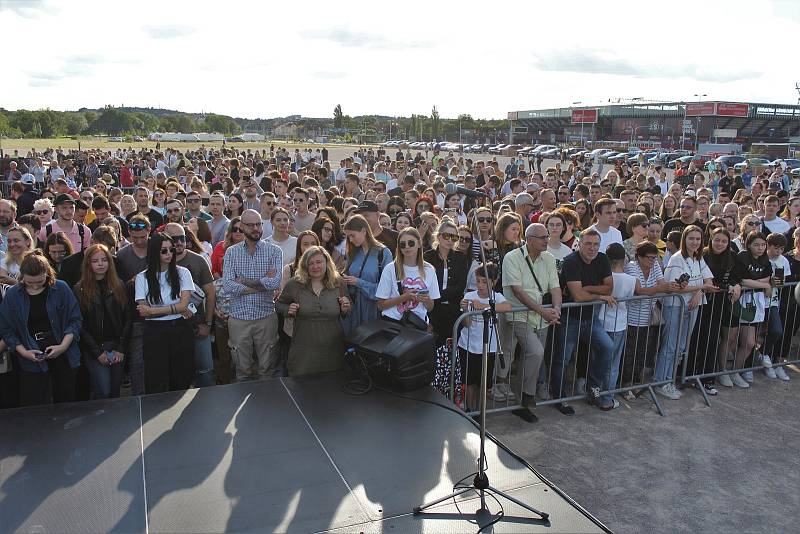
x=179, y=238
x=170, y=250
x=407, y=244
x=484, y=219
x=236, y=230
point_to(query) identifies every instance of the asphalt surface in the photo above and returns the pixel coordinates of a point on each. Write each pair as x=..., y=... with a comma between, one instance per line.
x=732, y=467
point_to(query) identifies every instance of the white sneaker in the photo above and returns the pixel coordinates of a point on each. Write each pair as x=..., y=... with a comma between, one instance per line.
x=770, y=372
x=501, y=392
x=669, y=391
x=738, y=381
x=780, y=372
x=725, y=380
x=580, y=386
x=747, y=375
x=764, y=360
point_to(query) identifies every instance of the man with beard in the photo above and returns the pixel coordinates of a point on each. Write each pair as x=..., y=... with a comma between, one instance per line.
x=78, y=234
x=143, y=206
x=8, y=213
x=251, y=273
x=174, y=211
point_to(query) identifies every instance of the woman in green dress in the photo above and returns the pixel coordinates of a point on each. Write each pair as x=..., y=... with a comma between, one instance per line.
x=315, y=299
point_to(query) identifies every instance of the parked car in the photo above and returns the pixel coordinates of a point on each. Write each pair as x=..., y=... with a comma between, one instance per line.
x=730, y=160
x=752, y=163
x=550, y=153
x=138, y=138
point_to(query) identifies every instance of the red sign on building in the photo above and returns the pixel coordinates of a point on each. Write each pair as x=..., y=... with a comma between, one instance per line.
x=700, y=109
x=733, y=110
x=584, y=116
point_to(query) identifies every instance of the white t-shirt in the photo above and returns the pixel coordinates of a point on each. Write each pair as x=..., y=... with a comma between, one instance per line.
x=471, y=337
x=611, y=236
x=266, y=228
x=186, y=282
x=387, y=288
x=11, y=268
x=777, y=225
x=616, y=319
x=289, y=247
x=777, y=263
x=696, y=269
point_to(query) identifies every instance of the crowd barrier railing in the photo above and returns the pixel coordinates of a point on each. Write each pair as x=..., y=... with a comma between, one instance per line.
x=727, y=346
x=562, y=362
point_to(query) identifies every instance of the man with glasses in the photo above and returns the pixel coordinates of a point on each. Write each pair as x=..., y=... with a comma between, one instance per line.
x=194, y=207
x=530, y=280
x=605, y=211
x=204, y=300
x=132, y=259
x=175, y=212
x=251, y=273
x=267, y=203
x=303, y=218
x=688, y=208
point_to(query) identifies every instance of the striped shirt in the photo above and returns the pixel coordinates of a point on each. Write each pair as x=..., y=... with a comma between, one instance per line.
x=639, y=310
x=239, y=263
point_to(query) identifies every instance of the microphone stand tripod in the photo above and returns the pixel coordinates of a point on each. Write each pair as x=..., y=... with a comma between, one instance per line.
x=480, y=484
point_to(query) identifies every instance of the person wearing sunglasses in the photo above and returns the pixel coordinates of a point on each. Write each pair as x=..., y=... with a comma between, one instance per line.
x=451, y=272
x=162, y=294
x=411, y=273
x=43, y=209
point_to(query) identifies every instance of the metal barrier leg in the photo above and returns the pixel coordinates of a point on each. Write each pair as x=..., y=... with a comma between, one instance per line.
x=655, y=399
x=703, y=391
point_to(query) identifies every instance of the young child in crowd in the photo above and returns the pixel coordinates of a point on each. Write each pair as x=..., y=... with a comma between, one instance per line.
x=615, y=319
x=470, y=341
x=781, y=269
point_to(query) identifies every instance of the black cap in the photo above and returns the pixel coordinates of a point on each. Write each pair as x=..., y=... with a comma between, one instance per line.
x=366, y=206
x=64, y=198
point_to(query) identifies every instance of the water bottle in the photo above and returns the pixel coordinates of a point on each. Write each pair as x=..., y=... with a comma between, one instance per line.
x=110, y=356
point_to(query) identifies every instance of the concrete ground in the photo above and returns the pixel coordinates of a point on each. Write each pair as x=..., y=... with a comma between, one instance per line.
x=733, y=467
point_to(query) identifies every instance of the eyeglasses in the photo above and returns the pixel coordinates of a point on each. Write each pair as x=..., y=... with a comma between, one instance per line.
x=137, y=226
x=270, y=203
x=753, y=223
x=174, y=210
x=179, y=238
x=192, y=200
x=41, y=212
x=484, y=219
x=170, y=250
x=252, y=225
x=236, y=230
x=449, y=237
x=620, y=210
x=327, y=229
x=465, y=239
x=407, y=244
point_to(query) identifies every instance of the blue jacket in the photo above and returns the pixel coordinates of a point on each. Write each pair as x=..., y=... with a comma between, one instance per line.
x=65, y=318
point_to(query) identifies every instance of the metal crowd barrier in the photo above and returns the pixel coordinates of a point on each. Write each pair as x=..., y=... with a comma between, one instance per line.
x=704, y=357
x=636, y=363
x=721, y=346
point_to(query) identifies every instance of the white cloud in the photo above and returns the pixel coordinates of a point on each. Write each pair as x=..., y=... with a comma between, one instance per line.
x=249, y=59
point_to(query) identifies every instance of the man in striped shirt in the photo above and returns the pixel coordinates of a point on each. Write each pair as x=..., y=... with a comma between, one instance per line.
x=251, y=273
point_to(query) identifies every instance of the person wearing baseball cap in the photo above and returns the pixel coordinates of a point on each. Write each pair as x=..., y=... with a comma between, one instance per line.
x=369, y=210
x=24, y=194
x=78, y=234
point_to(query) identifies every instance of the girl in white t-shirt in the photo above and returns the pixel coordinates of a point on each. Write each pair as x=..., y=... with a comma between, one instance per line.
x=409, y=273
x=470, y=341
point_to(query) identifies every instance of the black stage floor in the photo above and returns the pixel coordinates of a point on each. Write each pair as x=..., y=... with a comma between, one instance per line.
x=273, y=456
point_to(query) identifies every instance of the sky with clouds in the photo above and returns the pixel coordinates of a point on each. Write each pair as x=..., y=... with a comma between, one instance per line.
x=262, y=59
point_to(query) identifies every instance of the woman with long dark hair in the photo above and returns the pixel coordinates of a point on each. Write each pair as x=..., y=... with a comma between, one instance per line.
x=41, y=321
x=326, y=232
x=712, y=335
x=163, y=291
x=106, y=321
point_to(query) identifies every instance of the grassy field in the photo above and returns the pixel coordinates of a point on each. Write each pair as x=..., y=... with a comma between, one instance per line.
x=24, y=145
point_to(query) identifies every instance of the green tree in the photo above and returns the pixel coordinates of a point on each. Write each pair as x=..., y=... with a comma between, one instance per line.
x=75, y=123
x=338, y=117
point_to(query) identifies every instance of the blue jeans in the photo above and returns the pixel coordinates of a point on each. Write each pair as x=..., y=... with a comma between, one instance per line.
x=568, y=333
x=203, y=362
x=105, y=380
x=675, y=318
x=618, y=344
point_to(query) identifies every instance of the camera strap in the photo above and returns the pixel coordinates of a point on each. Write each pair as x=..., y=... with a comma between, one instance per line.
x=530, y=266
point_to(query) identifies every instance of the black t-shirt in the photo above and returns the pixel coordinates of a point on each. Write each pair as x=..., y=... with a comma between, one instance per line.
x=389, y=239
x=679, y=225
x=575, y=269
x=750, y=268
x=38, y=321
x=123, y=225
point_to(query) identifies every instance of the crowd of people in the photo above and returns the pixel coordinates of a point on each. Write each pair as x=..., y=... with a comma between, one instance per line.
x=168, y=269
